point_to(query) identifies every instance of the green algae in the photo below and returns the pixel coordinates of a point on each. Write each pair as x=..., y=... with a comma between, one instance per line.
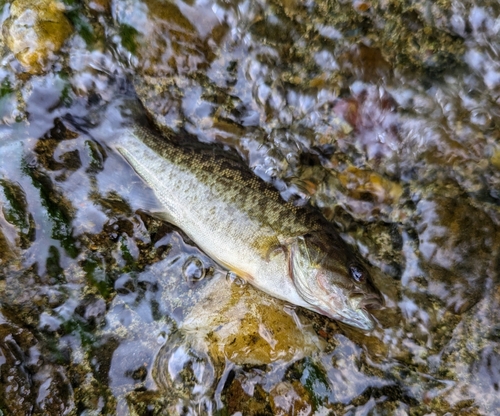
x=17, y=213
x=97, y=277
x=82, y=26
x=58, y=209
x=78, y=326
x=66, y=93
x=53, y=265
x=130, y=262
x=128, y=35
x=5, y=88
x=314, y=379
x=97, y=156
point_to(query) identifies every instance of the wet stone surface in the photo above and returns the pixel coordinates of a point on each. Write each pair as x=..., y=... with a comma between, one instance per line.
x=385, y=116
x=35, y=32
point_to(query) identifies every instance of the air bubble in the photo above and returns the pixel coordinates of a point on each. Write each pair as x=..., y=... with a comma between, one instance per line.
x=193, y=269
x=233, y=278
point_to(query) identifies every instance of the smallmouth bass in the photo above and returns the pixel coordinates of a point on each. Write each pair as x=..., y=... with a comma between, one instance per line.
x=241, y=222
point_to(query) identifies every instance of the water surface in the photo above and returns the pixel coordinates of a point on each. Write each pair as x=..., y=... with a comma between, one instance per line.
x=384, y=116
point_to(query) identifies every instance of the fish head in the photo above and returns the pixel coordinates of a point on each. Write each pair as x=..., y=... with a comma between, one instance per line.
x=333, y=281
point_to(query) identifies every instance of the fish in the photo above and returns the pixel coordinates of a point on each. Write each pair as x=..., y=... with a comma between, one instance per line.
x=288, y=251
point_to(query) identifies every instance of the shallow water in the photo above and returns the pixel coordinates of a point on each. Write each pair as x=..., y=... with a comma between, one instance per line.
x=386, y=117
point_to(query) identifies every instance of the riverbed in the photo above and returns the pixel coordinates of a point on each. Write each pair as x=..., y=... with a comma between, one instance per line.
x=385, y=116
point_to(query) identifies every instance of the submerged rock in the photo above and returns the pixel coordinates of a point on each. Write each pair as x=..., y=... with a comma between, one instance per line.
x=6, y=250
x=35, y=31
x=30, y=382
x=290, y=398
x=230, y=326
x=16, y=387
x=248, y=327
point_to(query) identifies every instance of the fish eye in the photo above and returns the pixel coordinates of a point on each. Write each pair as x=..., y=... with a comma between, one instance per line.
x=357, y=273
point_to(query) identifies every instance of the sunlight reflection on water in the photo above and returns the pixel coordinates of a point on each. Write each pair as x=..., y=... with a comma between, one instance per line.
x=386, y=118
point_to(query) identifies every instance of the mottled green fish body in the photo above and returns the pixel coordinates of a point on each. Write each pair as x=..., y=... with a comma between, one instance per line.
x=241, y=222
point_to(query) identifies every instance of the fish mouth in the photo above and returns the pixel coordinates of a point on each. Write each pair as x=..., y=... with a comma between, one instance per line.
x=372, y=301
x=359, y=318
x=352, y=313
x=357, y=311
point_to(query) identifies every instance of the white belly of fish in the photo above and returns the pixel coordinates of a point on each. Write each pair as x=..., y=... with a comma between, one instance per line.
x=219, y=228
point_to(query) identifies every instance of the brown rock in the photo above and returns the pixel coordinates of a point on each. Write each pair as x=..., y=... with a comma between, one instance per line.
x=35, y=30
x=246, y=326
